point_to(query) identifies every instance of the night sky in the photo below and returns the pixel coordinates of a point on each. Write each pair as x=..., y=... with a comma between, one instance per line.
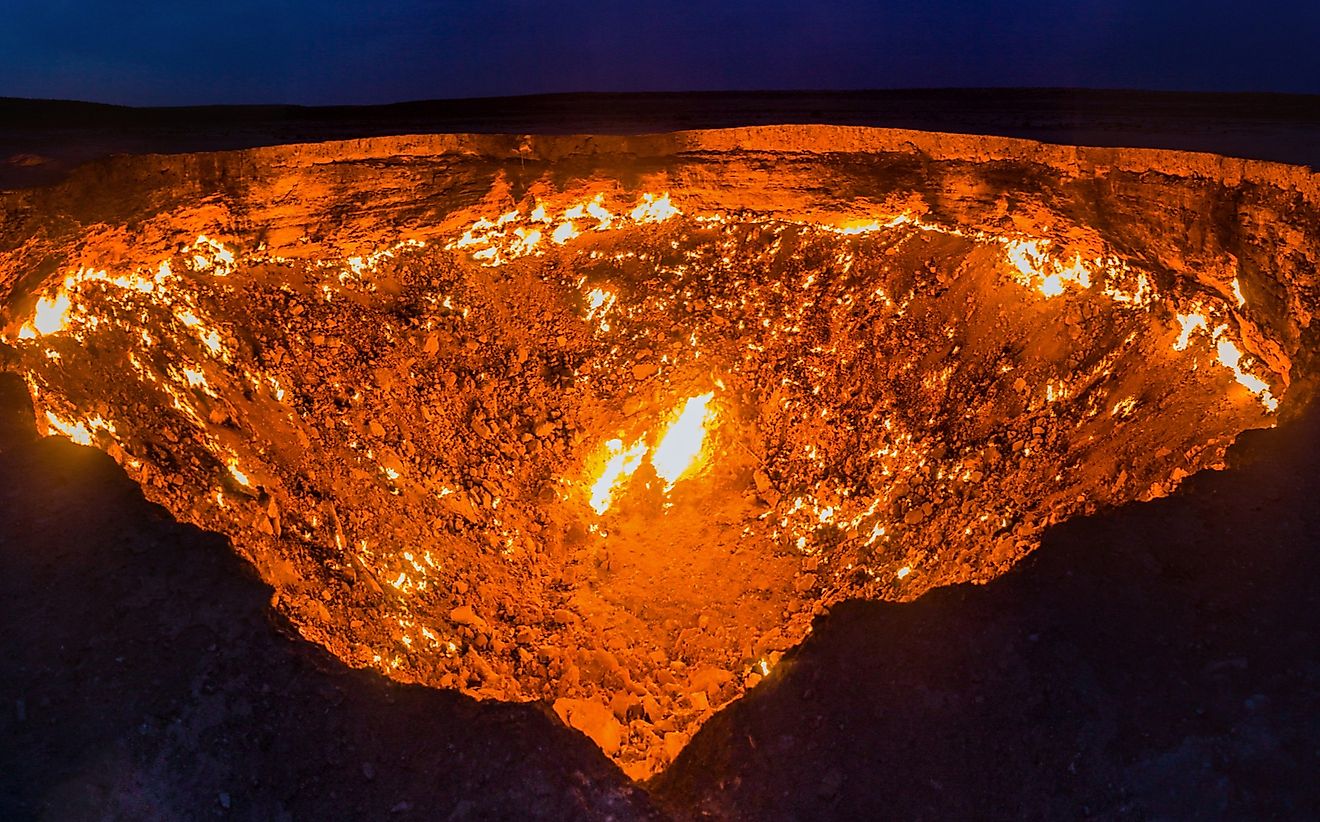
x=175, y=52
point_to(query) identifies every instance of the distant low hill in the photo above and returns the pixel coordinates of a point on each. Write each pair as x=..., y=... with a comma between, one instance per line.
x=40, y=140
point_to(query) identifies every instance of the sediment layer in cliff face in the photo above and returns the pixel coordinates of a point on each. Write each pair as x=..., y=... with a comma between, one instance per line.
x=606, y=421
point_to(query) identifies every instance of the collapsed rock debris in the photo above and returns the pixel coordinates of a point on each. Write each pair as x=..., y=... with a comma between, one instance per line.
x=612, y=441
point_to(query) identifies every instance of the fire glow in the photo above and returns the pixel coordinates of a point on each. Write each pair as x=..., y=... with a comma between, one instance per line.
x=619, y=466
x=1040, y=271
x=513, y=235
x=51, y=317
x=677, y=452
x=1227, y=354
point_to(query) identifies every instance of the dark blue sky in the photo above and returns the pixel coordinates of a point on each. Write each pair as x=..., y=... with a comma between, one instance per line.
x=329, y=51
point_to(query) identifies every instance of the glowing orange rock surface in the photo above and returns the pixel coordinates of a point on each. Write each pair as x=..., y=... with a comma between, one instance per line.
x=607, y=422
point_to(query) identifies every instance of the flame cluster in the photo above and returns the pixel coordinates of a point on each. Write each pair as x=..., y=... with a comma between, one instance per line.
x=494, y=242
x=1040, y=271
x=1033, y=263
x=676, y=453
x=1227, y=353
x=771, y=304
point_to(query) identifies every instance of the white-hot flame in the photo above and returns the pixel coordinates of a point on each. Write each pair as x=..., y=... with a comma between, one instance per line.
x=599, y=303
x=240, y=476
x=514, y=235
x=680, y=448
x=1230, y=356
x=1188, y=324
x=653, y=209
x=1038, y=270
x=1227, y=353
x=564, y=232
x=622, y=463
x=52, y=316
x=76, y=431
x=676, y=454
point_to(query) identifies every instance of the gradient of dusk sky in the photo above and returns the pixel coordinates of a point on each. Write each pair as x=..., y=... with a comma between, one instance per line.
x=175, y=52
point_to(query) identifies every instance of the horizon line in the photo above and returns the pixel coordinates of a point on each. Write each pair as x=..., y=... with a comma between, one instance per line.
x=4, y=98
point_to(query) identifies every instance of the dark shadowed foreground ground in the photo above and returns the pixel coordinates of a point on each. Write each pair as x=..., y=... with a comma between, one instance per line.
x=1157, y=661
x=144, y=677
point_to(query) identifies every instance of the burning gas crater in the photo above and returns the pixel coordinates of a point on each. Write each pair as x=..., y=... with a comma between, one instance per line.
x=615, y=448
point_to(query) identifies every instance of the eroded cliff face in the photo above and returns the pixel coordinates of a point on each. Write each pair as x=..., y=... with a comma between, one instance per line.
x=607, y=420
